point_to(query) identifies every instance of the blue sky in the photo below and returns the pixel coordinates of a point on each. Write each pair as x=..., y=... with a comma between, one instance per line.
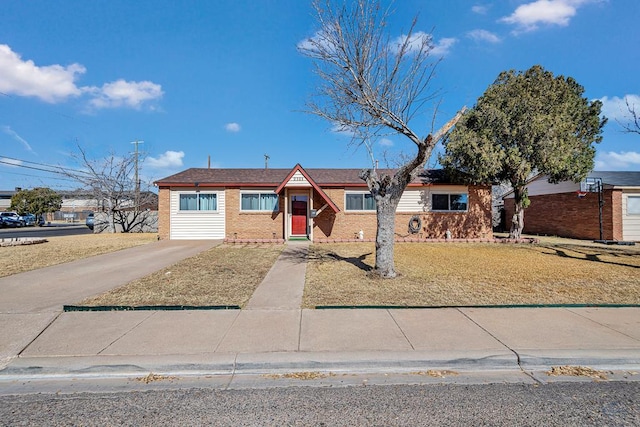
x=224, y=79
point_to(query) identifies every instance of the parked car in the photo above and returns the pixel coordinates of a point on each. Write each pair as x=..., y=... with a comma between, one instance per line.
x=29, y=219
x=89, y=221
x=8, y=221
x=12, y=219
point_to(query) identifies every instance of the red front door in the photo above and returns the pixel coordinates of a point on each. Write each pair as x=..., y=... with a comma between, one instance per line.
x=299, y=217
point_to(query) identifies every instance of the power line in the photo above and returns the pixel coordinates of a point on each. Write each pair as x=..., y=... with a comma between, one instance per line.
x=40, y=176
x=56, y=169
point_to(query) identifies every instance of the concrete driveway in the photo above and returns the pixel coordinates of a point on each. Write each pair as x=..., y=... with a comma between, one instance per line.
x=32, y=300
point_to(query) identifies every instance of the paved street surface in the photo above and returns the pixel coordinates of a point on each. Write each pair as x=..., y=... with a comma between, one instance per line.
x=45, y=231
x=561, y=404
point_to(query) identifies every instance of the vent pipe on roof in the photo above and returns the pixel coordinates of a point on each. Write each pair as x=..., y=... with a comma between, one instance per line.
x=209, y=162
x=266, y=161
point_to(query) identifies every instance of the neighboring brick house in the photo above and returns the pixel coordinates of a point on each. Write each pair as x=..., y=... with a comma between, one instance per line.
x=318, y=204
x=570, y=209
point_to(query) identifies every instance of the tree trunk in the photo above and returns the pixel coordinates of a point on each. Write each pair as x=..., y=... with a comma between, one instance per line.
x=387, y=191
x=517, y=222
x=385, y=237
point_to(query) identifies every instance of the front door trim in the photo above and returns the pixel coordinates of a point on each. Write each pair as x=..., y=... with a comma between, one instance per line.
x=293, y=229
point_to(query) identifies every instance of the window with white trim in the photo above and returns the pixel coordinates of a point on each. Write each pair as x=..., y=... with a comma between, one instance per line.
x=359, y=201
x=266, y=202
x=633, y=205
x=198, y=202
x=441, y=202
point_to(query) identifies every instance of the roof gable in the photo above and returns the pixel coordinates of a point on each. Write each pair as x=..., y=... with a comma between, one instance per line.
x=305, y=181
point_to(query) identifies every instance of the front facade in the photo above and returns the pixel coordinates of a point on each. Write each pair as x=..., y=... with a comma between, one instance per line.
x=315, y=204
x=570, y=209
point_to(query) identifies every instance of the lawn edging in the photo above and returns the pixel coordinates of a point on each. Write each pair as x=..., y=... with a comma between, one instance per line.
x=74, y=308
x=414, y=307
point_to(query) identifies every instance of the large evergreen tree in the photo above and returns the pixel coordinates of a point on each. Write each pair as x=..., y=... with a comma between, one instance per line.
x=526, y=122
x=38, y=201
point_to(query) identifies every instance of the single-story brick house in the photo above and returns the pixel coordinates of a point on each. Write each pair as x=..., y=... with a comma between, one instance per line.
x=319, y=204
x=570, y=209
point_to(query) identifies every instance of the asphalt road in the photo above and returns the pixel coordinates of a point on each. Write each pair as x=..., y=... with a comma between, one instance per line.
x=556, y=404
x=47, y=231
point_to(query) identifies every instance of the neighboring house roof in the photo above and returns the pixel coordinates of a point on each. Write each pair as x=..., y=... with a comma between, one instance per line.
x=618, y=178
x=275, y=177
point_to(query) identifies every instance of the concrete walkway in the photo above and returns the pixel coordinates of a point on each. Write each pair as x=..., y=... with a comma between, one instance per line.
x=283, y=286
x=274, y=335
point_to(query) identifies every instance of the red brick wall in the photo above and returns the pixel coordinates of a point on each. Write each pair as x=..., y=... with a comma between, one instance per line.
x=164, y=213
x=341, y=225
x=251, y=225
x=475, y=223
x=616, y=214
x=566, y=215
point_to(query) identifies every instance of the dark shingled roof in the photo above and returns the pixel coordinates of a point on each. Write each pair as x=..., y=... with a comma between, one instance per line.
x=273, y=177
x=618, y=179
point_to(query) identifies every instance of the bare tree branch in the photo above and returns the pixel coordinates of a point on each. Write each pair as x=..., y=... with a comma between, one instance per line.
x=373, y=85
x=633, y=126
x=111, y=182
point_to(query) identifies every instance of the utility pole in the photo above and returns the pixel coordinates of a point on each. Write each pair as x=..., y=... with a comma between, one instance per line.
x=137, y=190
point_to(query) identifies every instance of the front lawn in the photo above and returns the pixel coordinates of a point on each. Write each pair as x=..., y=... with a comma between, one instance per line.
x=58, y=250
x=224, y=275
x=453, y=274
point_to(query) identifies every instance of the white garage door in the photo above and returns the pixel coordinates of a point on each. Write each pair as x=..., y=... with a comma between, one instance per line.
x=631, y=216
x=197, y=215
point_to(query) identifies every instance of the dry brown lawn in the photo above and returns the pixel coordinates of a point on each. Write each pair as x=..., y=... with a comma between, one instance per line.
x=440, y=274
x=224, y=275
x=58, y=250
x=556, y=271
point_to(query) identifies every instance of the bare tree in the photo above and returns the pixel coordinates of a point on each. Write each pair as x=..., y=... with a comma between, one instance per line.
x=632, y=125
x=110, y=181
x=374, y=87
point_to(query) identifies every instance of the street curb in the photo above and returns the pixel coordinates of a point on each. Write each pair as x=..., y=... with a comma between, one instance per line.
x=217, y=364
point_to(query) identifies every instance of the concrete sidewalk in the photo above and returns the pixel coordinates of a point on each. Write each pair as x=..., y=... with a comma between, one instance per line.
x=237, y=341
x=272, y=334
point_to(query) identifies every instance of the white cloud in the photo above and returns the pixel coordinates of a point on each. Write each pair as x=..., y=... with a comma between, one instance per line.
x=480, y=9
x=443, y=46
x=484, y=35
x=12, y=133
x=625, y=160
x=385, y=142
x=168, y=159
x=343, y=130
x=232, y=127
x=319, y=42
x=615, y=108
x=550, y=12
x=57, y=83
x=418, y=39
x=122, y=93
x=414, y=43
x=51, y=83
